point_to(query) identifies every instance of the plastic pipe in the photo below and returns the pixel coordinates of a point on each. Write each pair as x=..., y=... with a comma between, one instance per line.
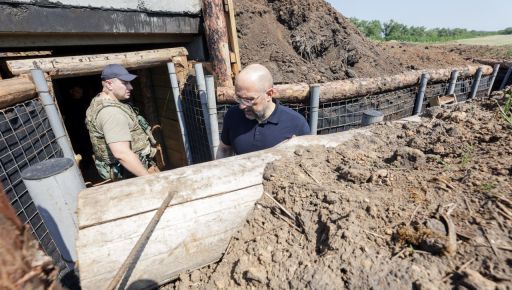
x=495, y=71
x=314, y=101
x=507, y=76
x=179, y=110
x=212, y=112
x=201, y=87
x=476, y=83
x=418, y=104
x=453, y=81
x=54, y=185
x=371, y=117
x=52, y=113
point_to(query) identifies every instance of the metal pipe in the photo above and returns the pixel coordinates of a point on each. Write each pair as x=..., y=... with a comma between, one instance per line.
x=495, y=71
x=53, y=114
x=212, y=112
x=179, y=110
x=453, y=81
x=54, y=185
x=418, y=104
x=314, y=101
x=371, y=116
x=507, y=76
x=201, y=88
x=476, y=83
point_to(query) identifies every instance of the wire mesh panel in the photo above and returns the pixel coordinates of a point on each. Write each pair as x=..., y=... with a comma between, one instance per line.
x=195, y=123
x=463, y=89
x=347, y=114
x=26, y=138
x=483, y=86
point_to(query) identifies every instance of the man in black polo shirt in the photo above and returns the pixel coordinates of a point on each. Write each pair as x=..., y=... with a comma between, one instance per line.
x=258, y=122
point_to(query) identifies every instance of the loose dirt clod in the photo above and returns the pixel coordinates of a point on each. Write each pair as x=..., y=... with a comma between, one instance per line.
x=366, y=233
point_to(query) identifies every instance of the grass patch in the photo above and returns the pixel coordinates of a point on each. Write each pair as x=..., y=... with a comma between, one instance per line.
x=487, y=187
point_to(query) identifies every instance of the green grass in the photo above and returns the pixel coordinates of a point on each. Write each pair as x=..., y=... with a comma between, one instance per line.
x=494, y=40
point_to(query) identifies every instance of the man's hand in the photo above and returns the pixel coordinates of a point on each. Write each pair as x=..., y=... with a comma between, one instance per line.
x=124, y=154
x=224, y=151
x=153, y=169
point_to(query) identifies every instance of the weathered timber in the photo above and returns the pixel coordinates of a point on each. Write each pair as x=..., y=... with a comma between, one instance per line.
x=338, y=90
x=217, y=38
x=491, y=62
x=69, y=66
x=209, y=207
x=16, y=90
x=236, y=64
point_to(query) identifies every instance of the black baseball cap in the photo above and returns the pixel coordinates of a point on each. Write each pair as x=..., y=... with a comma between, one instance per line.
x=117, y=71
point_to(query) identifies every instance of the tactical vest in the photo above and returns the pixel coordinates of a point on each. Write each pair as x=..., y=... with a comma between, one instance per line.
x=140, y=142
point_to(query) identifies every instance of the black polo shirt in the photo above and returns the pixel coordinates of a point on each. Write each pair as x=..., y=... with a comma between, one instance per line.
x=244, y=135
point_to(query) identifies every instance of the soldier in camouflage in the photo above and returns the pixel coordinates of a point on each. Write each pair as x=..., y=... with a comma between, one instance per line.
x=120, y=137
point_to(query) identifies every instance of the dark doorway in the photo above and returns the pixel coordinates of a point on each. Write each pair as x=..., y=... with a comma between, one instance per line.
x=73, y=97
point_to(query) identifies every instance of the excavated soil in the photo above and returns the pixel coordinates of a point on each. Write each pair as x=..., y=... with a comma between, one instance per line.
x=416, y=205
x=309, y=41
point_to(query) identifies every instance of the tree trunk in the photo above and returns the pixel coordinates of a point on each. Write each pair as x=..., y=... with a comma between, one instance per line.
x=217, y=39
x=69, y=66
x=16, y=90
x=338, y=90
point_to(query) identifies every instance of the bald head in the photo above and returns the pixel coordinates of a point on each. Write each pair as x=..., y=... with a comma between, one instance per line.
x=256, y=76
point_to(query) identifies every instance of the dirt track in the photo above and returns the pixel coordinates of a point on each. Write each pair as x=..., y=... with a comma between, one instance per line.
x=378, y=216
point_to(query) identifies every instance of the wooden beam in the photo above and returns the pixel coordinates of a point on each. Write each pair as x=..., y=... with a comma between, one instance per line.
x=504, y=64
x=195, y=230
x=236, y=65
x=16, y=90
x=217, y=38
x=70, y=66
x=338, y=90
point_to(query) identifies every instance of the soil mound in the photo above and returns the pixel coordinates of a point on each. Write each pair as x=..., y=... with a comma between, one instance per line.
x=309, y=41
x=411, y=206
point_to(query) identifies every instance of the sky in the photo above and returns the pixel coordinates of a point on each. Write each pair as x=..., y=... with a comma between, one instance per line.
x=487, y=15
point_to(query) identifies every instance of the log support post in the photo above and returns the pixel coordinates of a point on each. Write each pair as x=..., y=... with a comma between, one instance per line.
x=418, y=104
x=217, y=39
x=453, y=81
x=507, y=76
x=476, y=83
x=314, y=100
x=495, y=71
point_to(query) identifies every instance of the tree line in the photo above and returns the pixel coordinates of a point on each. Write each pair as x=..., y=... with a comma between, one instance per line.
x=392, y=30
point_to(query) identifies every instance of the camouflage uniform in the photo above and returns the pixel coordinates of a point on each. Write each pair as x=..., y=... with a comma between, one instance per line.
x=106, y=164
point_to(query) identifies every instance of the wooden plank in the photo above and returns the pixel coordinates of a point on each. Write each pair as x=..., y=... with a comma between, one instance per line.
x=124, y=198
x=69, y=66
x=197, y=227
x=209, y=207
x=16, y=90
x=236, y=65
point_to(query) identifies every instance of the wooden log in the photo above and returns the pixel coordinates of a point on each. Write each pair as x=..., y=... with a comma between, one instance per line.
x=217, y=38
x=69, y=66
x=195, y=230
x=16, y=90
x=491, y=62
x=338, y=90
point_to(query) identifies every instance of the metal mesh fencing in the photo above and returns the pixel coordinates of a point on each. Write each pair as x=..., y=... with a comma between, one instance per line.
x=335, y=116
x=26, y=138
x=483, y=86
x=195, y=123
x=463, y=88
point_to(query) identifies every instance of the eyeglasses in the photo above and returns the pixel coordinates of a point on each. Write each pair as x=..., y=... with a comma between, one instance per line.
x=246, y=102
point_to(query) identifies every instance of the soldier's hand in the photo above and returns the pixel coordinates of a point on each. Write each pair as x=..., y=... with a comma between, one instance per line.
x=153, y=169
